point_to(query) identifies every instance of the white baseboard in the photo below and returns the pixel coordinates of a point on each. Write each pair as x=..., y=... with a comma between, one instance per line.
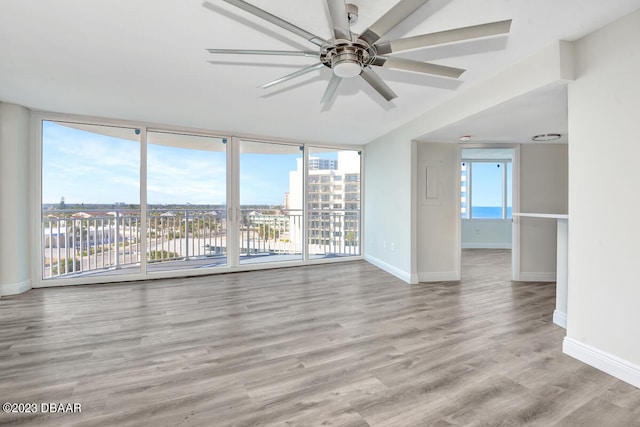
x=612, y=365
x=560, y=318
x=486, y=245
x=439, y=276
x=400, y=274
x=15, y=288
x=529, y=276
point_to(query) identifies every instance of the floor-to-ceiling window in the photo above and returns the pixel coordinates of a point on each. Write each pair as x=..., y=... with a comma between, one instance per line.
x=186, y=201
x=271, y=183
x=131, y=201
x=90, y=220
x=333, y=203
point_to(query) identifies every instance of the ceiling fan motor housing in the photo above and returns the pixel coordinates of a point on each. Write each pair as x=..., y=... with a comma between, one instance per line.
x=347, y=62
x=347, y=58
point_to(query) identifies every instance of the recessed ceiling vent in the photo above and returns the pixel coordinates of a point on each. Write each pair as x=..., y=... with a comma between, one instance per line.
x=546, y=137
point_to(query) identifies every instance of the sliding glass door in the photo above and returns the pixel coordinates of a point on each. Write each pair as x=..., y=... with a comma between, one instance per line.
x=90, y=222
x=186, y=201
x=271, y=177
x=333, y=203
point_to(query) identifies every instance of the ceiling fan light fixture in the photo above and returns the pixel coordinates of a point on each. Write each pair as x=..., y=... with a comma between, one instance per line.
x=347, y=69
x=346, y=65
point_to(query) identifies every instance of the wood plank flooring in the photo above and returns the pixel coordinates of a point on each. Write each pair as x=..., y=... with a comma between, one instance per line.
x=343, y=345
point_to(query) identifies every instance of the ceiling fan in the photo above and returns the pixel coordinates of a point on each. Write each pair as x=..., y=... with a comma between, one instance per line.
x=349, y=55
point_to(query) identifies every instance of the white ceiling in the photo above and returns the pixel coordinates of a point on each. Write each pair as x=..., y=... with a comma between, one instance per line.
x=145, y=60
x=515, y=121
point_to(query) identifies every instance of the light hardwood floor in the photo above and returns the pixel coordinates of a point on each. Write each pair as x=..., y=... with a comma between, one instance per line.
x=343, y=344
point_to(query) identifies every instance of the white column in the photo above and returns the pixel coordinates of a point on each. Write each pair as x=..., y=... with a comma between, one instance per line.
x=15, y=213
x=562, y=257
x=562, y=277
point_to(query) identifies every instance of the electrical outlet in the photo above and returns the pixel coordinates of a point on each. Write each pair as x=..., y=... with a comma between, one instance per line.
x=384, y=244
x=393, y=247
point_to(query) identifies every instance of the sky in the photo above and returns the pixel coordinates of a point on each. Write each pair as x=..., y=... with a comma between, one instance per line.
x=89, y=167
x=264, y=178
x=486, y=182
x=84, y=167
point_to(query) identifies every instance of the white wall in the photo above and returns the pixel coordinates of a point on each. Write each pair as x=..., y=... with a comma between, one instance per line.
x=15, y=215
x=391, y=171
x=438, y=213
x=604, y=266
x=388, y=210
x=543, y=188
x=543, y=180
x=549, y=66
x=486, y=233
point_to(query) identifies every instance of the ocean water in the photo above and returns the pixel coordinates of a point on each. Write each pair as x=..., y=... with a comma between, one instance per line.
x=489, y=212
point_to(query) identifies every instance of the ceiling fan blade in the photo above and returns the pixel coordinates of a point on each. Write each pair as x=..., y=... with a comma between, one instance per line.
x=263, y=14
x=293, y=75
x=377, y=83
x=330, y=92
x=339, y=19
x=265, y=52
x=417, y=66
x=455, y=35
x=393, y=17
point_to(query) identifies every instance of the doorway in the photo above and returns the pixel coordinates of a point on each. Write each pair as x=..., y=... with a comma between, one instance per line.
x=486, y=204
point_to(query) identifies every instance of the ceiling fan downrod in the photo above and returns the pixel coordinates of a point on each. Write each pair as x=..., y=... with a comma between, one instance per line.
x=352, y=13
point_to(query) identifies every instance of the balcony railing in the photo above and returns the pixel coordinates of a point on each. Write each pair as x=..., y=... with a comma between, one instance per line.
x=185, y=234
x=269, y=233
x=106, y=243
x=76, y=243
x=333, y=233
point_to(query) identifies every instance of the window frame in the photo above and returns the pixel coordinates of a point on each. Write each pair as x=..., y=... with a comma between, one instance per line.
x=468, y=215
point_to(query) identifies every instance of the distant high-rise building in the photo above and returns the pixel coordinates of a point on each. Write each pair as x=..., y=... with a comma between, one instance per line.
x=316, y=163
x=333, y=201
